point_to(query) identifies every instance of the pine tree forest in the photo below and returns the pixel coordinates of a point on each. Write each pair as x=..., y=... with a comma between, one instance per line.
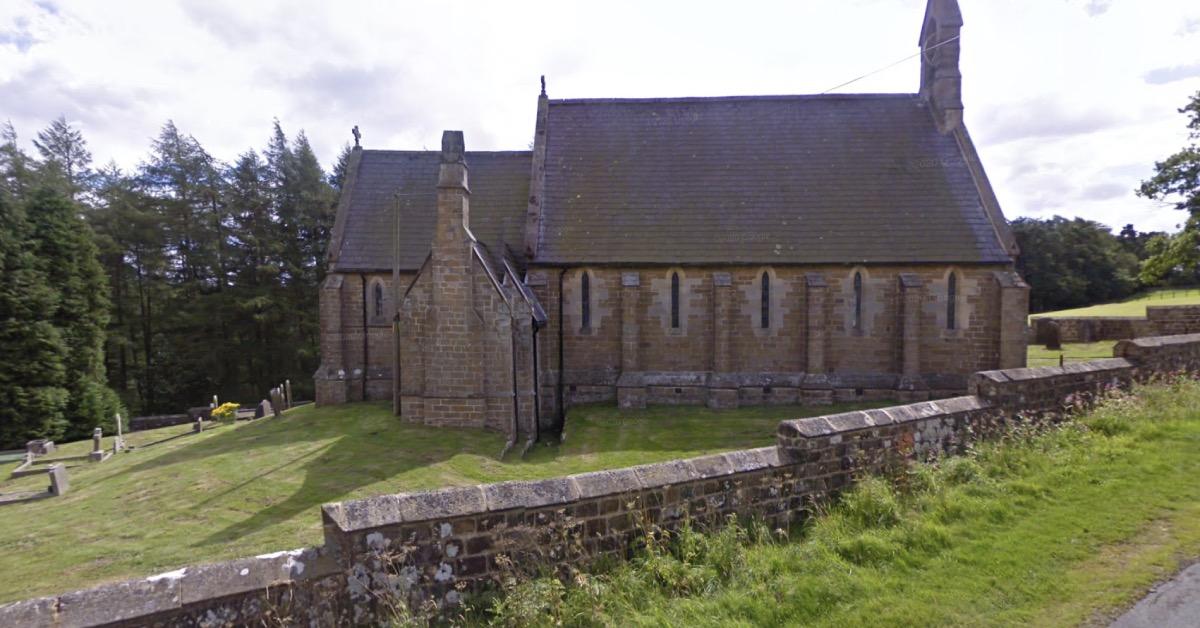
x=148, y=291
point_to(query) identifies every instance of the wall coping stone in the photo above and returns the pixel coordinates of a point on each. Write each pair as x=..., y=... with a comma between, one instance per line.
x=607, y=482
x=712, y=466
x=380, y=510
x=529, y=494
x=662, y=474
x=746, y=460
x=206, y=582
x=1160, y=341
x=1044, y=372
x=813, y=427
x=39, y=611
x=169, y=591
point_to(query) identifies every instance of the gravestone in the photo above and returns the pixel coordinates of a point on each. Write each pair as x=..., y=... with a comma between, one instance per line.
x=262, y=409
x=40, y=446
x=58, y=480
x=1053, y=336
x=119, y=441
x=198, y=426
x=97, y=452
x=288, y=392
x=276, y=402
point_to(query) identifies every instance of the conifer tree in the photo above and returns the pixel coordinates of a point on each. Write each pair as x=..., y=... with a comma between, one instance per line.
x=16, y=174
x=65, y=156
x=68, y=259
x=32, y=351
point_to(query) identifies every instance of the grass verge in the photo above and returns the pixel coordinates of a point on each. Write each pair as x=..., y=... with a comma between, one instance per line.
x=1039, y=355
x=1055, y=527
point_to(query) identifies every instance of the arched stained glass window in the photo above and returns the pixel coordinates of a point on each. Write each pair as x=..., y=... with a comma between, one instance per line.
x=585, y=296
x=858, y=293
x=675, y=300
x=952, y=301
x=765, y=315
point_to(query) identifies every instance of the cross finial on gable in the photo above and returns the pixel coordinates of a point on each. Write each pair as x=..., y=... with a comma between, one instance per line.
x=543, y=84
x=357, y=135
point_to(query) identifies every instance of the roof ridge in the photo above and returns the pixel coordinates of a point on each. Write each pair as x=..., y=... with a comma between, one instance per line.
x=764, y=97
x=389, y=151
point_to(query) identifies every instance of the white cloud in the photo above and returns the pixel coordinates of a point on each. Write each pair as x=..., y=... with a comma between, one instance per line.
x=1097, y=7
x=1069, y=111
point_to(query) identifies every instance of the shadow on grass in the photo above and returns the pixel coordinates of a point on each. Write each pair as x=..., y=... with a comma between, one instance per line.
x=357, y=445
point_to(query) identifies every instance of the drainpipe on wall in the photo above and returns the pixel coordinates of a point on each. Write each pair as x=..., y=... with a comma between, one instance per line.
x=562, y=410
x=537, y=396
x=363, y=276
x=537, y=388
x=516, y=406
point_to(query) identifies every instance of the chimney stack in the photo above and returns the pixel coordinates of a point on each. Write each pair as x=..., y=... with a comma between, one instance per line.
x=453, y=192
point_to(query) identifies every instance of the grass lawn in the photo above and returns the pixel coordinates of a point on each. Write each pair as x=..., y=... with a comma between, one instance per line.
x=1062, y=528
x=1132, y=307
x=256, y=487
x=1039, y=355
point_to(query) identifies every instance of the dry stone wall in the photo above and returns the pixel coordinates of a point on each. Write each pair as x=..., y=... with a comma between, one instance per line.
x=437, y=546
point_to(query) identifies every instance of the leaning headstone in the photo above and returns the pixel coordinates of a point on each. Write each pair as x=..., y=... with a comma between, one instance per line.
x=276, y=402
x=1053, y=336
x=97, y=452
x=262, y=409
x=58, y=480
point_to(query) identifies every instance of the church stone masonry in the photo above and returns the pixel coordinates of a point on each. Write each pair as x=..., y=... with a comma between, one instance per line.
x=716, y=251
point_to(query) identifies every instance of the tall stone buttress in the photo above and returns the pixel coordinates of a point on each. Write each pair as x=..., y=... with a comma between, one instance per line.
x=454, y=369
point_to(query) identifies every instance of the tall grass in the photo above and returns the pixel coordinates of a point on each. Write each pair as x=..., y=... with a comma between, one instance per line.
x=986, y=538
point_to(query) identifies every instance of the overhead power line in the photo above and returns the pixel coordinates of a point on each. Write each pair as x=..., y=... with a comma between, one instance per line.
x=890, y=65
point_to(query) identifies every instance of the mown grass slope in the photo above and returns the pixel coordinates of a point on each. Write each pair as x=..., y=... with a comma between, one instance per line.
x=257, y=487
x=1132, y=307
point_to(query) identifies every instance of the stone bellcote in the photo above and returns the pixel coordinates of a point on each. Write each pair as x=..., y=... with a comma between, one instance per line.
x=941, y=80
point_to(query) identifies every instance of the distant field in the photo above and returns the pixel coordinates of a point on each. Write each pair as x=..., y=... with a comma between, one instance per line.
x=1132, y=307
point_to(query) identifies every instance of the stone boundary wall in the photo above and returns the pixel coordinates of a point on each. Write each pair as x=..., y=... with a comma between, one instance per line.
x=1160, y=320
x=435, y=546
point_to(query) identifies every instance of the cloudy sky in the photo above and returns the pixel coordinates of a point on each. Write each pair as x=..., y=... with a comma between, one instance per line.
x=1070, y=101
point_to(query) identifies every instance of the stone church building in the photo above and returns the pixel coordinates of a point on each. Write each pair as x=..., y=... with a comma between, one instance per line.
x=719, y=251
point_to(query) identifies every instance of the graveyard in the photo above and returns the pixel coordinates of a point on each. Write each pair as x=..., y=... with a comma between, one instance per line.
x=175, y=497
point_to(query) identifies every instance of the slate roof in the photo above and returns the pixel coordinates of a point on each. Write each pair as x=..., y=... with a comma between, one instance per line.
x=499, y=183
x=765, y=179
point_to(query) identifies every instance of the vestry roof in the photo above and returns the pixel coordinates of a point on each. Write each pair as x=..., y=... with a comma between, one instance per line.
x=765, y=179
x=363, y=235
